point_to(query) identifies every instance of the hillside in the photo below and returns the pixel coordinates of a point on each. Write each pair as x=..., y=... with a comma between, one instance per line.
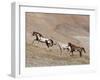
x=59, y=27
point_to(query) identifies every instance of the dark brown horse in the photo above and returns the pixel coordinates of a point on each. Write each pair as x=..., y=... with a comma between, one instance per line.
x=40, y=38
x=76, y=48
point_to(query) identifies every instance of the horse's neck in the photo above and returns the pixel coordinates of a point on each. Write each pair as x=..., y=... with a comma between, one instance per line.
x=40, y=34
x=37, y=38
x=75, y=46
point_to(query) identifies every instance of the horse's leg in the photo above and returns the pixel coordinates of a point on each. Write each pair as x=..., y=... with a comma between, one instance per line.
x=69, y=53
x=83, y=50
x=80, y=53
x=64, y=49
x=33, y=41
x=47, y=44
x=72, y=53
x=68, y=50
x=60, y=49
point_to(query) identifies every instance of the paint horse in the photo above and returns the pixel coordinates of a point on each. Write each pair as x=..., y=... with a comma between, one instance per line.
x=40, y=38
x=76, y=48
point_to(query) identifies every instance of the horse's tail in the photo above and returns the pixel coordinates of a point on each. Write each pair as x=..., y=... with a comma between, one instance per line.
x=54, y=42
x=84, y=50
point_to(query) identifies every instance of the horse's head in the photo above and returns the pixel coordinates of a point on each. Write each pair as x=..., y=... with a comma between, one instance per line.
x=33, y=33
x=69, y=44
x=37, y=33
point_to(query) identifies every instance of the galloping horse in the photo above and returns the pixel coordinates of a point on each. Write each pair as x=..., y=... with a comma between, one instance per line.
x=40, y=38
x=62, y=46
x=76, y=48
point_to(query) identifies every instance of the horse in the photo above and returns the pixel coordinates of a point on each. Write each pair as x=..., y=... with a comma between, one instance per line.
x=40, y=38
x=76, y=48
x=62, y=46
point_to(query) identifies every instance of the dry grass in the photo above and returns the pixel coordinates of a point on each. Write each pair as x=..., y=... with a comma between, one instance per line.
x=38, y=56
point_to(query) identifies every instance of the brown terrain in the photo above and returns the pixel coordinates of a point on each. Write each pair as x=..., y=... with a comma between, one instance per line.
x=59, y=27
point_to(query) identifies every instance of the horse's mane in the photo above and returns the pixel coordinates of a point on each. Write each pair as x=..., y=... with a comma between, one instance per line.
x=72, y=45
x=38, y=33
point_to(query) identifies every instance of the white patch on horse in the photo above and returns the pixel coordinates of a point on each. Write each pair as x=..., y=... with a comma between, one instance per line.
x=43, y=39
x=49, y=41
x=63, y=45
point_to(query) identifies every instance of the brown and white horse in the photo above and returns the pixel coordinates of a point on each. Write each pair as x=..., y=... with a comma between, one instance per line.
x=76, y=48
x=40, y=38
